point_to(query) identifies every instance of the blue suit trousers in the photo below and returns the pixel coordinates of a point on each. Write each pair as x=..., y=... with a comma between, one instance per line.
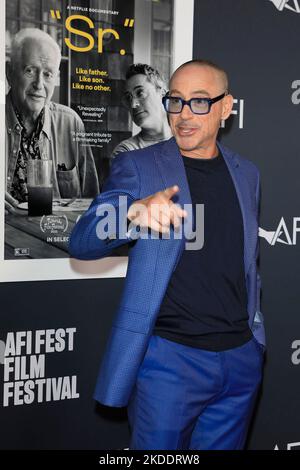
x=189, y=398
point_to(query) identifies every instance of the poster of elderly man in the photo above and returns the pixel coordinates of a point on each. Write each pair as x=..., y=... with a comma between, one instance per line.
x=84, y=81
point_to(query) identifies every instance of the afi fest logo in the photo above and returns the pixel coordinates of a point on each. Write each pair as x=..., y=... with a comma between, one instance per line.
x=282, y=234
x=292, y=5
x=289, y=446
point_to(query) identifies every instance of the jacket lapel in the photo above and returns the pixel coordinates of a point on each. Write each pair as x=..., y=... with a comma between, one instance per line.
x=244, y=196
x=172, y=170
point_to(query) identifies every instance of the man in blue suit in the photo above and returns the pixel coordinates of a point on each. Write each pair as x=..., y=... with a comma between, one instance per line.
x=185, y=353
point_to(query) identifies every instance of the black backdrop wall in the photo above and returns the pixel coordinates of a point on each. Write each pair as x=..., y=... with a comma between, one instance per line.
x=76, y=423
x=257, y=43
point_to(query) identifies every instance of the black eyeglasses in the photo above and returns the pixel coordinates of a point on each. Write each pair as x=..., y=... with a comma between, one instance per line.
x=175, y=104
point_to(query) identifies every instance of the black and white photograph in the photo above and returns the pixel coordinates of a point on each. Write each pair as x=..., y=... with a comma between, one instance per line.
x=97, y=93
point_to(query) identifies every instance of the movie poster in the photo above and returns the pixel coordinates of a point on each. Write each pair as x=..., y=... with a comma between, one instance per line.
x=68, y=110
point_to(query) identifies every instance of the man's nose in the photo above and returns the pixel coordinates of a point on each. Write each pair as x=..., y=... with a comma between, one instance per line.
x=134, y=103
x=39, y=80
x=186, y=112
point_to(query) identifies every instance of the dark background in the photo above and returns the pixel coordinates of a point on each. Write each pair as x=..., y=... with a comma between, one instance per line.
x=257, y=45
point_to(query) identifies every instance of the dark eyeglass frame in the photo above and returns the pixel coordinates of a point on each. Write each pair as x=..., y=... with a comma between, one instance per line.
x=210, y=102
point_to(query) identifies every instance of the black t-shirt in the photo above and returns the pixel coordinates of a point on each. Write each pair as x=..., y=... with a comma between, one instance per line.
x=205, y=304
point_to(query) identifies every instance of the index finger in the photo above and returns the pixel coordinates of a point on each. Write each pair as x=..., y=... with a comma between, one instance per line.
x=169, y=192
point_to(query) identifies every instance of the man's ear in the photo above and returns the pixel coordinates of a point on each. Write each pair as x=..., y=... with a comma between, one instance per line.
x=227, y=106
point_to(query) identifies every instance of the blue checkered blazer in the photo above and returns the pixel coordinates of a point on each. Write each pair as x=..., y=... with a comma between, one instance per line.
x=137, y=174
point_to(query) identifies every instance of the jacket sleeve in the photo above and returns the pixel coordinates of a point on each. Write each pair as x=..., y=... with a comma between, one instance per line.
x=257, y=246
x=103, y=227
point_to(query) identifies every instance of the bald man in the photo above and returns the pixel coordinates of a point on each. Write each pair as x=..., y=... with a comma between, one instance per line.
x=37, y=128
x=186, y=349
